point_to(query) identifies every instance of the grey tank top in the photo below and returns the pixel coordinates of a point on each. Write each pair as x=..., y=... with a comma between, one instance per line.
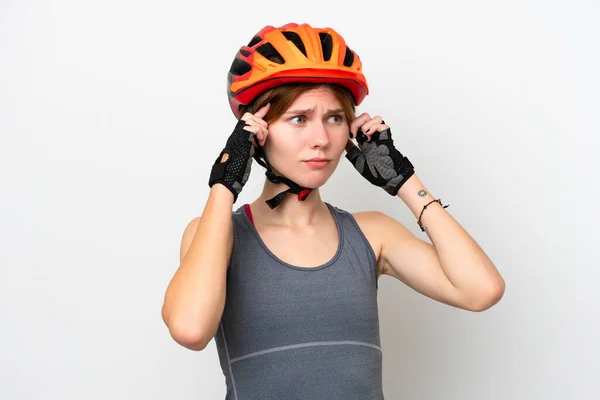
x=291, y=332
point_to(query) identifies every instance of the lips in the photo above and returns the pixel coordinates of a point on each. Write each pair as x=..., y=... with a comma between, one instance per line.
x=318, y=159
x=317, y=162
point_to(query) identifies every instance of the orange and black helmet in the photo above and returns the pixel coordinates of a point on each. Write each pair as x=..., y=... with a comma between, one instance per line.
x=293, y=53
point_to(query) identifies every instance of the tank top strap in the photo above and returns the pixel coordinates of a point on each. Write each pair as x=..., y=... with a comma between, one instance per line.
x=356, y=244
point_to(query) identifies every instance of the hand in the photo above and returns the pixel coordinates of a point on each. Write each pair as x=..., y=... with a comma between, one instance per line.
x=376, y=158
x=232, y=167
x=257, y=125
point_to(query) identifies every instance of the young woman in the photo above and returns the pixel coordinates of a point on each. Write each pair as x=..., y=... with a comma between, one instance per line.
x=287, y=285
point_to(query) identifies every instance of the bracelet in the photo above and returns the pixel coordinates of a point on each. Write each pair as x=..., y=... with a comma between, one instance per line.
x=425, y=207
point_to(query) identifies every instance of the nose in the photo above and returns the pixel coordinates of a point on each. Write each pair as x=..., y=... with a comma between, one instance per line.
x=319, y=136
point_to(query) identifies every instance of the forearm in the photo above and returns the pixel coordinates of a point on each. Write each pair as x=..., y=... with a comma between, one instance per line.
x=195, y=297
x=464, y=262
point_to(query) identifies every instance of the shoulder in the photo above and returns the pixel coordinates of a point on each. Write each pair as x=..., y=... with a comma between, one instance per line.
x=379, y=228
x=373, y=224
x=367, y=222
x=192, y=226
x=374, y=221
x=380, y=225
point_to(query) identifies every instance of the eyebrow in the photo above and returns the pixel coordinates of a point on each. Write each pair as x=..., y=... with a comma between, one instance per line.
x=311, y=110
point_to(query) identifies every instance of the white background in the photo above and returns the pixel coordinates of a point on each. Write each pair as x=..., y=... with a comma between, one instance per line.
x=112, y=112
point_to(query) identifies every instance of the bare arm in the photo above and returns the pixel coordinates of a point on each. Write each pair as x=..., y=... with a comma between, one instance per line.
x=453, y=270
x=195, y=297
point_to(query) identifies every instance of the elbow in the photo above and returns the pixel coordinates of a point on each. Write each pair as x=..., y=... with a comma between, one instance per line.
x=190, y=338
x=186, y=335
x=190, y=342
x=489, y=298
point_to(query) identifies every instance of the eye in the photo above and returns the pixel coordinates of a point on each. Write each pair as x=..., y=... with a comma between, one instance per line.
x=337, y=119
x=298, y=117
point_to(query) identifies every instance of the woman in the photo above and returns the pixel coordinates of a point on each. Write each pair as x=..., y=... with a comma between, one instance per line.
x=287, y=285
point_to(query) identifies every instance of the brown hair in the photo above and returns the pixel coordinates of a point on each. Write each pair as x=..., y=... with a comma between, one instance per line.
x=281, y=97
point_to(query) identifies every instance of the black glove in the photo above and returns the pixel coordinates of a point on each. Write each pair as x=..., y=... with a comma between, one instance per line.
x=379, y=162
x=235, y=170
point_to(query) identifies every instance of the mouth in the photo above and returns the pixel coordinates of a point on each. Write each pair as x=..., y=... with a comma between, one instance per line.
x=317, y=162
x=317, y=159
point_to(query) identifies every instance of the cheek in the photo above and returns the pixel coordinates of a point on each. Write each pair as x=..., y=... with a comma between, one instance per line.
x=280, y=149
x=340, y=139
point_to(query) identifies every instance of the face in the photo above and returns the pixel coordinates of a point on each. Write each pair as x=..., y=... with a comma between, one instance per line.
x=305, y=144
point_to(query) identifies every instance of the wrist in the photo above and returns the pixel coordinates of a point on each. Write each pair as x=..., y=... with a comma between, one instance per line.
x=414, y=195
x=220, y=192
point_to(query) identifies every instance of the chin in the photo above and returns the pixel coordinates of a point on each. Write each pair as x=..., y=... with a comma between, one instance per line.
x=307, y=176
x=312, y=183
x=312, y=179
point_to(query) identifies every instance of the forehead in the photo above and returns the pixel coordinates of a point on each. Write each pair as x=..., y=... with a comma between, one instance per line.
x=314, y=97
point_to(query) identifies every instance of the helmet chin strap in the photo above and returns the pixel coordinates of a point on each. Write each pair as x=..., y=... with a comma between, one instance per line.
x=294, y=188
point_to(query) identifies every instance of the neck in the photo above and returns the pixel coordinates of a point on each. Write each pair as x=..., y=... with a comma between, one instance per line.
x=290, y=212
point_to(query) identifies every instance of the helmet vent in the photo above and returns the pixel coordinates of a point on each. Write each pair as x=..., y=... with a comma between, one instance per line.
x=270, y=53
x=326, y=45
x=239, y=67
x=255, y=40
x=349, y=57
x=295, y=38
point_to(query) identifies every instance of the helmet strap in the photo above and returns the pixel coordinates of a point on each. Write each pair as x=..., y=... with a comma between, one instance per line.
x=301, y=191
x=294, y=188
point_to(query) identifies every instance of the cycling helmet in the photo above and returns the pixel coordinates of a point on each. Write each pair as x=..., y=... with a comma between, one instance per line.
x=292, y=53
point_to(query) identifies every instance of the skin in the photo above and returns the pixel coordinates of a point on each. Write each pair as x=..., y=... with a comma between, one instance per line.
x=452, y=269
x=313, y=126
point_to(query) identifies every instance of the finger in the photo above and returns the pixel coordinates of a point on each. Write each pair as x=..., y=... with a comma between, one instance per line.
x=257, y=134
x=358, y=122
x=258, y=115
x=254, y=119
x=263, y=111
x=370, y=124
x=382, y=127
x=260, y=133
x=262, y=136
x=256, y=126
x=264, y=139
x=252, y=129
